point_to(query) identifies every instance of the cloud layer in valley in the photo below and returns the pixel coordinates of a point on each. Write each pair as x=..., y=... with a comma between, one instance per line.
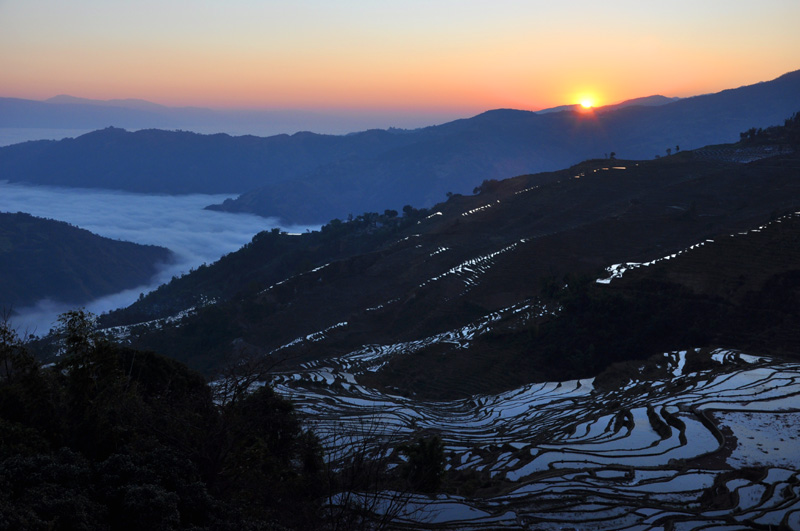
x=179, y=223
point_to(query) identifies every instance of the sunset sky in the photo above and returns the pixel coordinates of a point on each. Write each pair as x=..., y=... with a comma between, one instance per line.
x=421, y=55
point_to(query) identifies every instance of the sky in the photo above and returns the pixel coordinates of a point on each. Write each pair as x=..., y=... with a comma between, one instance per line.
x=422, y=56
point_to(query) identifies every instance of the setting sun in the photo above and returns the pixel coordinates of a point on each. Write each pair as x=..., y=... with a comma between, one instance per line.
x=587, y=103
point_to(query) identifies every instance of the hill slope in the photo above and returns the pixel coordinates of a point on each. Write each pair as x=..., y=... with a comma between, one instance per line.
x=428, y=281
x=47, y=259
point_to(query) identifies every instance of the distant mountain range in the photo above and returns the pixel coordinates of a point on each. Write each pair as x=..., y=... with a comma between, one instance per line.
x=65, y=112
x=69, y=113
x=47, y=259
x=647, y=101
x=312, y=178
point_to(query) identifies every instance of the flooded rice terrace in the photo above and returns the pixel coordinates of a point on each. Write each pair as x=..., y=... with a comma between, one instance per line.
x=711, y=449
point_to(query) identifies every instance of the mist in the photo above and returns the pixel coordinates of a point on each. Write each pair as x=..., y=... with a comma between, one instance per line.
x=179, y=223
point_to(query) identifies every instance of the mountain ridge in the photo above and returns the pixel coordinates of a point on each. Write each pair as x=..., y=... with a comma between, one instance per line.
x=311, y=178
x=529, y=140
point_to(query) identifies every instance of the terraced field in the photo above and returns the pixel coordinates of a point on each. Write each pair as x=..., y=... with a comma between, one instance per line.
x=698, y=440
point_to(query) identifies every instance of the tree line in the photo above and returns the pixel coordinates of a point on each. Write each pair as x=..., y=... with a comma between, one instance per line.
x=109, y=437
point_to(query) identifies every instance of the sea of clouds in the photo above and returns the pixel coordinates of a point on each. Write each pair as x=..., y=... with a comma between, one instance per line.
x=179, y=223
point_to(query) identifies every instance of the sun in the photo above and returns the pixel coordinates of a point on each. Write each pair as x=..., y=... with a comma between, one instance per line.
x=586, y=103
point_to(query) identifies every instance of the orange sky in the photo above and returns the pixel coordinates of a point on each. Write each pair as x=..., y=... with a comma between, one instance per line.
x=469, y=55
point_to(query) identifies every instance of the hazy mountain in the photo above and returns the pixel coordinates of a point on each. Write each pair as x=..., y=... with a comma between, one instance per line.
x=128, y=103
x=61, y=112
x=47, y=259
x=79, y=115
x=648, y=101
x=313, y=178
x=560, y=108
x=70, y=112
x=457, y=156
x=66, y=112
x=160, y=161
x=509, y=258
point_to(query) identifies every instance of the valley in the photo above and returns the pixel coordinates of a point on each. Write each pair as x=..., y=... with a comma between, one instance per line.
x=608, y=346
x=659, y=392
x=400, y=266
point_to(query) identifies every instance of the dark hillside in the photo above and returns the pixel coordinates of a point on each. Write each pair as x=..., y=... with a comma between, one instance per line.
x=752, y=279
x=739, y=291
x=179, y=162
x=418, y=281
x=270, y=258
x=47, y=259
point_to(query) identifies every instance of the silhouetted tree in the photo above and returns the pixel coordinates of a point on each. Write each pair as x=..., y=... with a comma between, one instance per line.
x=14, y=358
x=363, y=491
x=113, y=438
x=425, y=466
x=488, y=185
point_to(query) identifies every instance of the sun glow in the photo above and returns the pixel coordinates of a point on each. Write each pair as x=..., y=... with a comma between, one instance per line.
x=586, y=103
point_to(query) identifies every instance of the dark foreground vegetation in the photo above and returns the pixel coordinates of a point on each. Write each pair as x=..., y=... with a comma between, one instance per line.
x=113, y=438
